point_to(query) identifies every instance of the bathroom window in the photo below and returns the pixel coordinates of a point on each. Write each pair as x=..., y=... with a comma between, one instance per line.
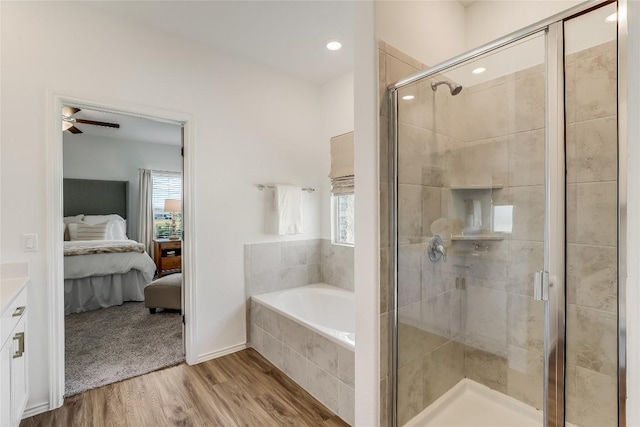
x=344, y=219
x=165, y=186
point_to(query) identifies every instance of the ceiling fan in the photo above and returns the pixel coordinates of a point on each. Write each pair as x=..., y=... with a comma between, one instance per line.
x=68, y=121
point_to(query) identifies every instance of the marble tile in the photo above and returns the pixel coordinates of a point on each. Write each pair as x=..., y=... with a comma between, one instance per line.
x=572, y=338
x=596, y=340
x=597, y=210
x=384, y=150
x=295, y=335
x=265, y=256
x=409, y=211
x=592, y=276
x=420, y=110
x=443, y=368
x=294, y=365
x=314, y=273
x=272, y=349
x=323, y=353
x=271, y=322
x=596, y=86
x=431, y=208
x=247, y=261
x=487, y=113
x=525, y=376
x=313, y=249
x=410, y=391
x=346, y=366
x=414, y=343
x=384, y=216
x=525, y=258
x=400, y=55
x=323, y=386
x=347, y=403
x=597, y=150
x=571, y=399
x=486, y=318
x=436, y=314
x=256, y=314
x=528, y=213
x=409, y=285
x=266, y=281
x=525, y=322
x=570, y=91
x=572, y=213
x=597, y=399
x=527, y=98
x=571, y=153
x=294, y=276
x=527, y=158
x=382, y=82
x=256, y=340
x=486, y=161
x=293, y=253
x=486, y=368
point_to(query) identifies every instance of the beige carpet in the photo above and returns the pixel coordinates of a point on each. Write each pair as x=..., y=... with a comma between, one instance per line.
x=112, y=344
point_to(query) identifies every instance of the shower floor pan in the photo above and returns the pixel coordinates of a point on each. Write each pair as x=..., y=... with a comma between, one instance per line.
x=469, y=404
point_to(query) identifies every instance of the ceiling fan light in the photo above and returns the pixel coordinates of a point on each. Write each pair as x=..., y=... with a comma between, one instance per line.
x=66, y=125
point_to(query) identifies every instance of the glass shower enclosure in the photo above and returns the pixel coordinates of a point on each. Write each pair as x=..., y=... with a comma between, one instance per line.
x=504, y=231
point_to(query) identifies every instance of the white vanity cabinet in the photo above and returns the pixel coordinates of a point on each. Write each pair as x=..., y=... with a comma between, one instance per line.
x=13, y=360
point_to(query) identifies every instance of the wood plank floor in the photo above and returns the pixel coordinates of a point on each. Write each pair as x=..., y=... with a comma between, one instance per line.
x=241, y=389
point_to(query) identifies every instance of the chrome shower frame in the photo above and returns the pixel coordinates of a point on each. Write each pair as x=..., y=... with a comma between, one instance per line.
x=555, y=221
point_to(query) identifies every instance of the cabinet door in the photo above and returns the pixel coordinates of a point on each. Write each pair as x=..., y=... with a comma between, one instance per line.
x=19, y=371
x=5, y=384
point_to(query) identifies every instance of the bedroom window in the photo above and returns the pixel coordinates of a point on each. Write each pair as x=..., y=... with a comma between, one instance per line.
x=165, y=186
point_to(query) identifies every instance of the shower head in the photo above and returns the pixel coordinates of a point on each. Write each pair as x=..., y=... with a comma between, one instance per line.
x=453, y=87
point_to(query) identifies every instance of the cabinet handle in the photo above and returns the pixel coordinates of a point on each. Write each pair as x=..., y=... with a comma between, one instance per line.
x=19, y=311
x=20, y=337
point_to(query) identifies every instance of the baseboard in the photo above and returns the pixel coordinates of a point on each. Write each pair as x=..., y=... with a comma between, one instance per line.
x=218, y=353
x=36, y=409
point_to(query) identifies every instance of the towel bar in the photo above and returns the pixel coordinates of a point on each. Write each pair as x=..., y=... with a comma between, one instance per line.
x=262, y=187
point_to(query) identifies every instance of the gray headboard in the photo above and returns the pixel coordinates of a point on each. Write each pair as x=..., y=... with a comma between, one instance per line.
x=95, y=197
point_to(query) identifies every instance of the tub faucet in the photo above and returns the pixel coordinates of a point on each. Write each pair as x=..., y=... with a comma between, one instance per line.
x=436, y=249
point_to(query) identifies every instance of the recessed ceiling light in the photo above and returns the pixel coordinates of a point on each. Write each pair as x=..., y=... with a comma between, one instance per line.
x=334, y=45
x=612, y=18
x=479, y=70
x=408, y=97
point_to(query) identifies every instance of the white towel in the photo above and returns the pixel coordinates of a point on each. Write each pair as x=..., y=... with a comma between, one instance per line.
x=288, y=201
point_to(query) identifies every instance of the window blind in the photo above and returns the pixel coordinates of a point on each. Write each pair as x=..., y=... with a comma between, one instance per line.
x=342, y=178
x=165, y=186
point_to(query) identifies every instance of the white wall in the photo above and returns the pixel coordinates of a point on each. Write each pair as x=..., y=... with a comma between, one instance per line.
x=337, y=118
x=430, y=31
x=93, y=157
x=251, y=125
x=488, y=20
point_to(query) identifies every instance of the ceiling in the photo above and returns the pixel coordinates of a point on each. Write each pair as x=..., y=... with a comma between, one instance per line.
x=288, y=36
x=131, y=128
x=467, y=3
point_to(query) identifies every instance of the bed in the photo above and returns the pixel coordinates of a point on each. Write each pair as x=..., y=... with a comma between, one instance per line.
x=102, y=267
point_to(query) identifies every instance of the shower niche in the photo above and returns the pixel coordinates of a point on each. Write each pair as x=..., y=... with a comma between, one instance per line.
x=480, y=216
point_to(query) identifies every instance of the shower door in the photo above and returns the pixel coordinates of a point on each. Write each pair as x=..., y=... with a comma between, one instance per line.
x=477, y=165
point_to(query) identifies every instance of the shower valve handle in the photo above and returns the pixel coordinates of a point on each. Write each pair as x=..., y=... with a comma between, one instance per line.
x=436, y=250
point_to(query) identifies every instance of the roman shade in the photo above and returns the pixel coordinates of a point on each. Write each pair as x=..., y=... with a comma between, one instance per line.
x=342, y=178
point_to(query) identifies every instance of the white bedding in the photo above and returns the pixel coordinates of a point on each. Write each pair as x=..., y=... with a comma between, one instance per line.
x=103, y=264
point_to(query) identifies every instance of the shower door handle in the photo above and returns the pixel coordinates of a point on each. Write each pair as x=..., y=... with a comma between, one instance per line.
x=541, y=286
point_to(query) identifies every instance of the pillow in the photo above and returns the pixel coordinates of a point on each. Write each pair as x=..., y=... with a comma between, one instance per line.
x=99, y=219
x=84, y=231
x=70, y=220
x=116, y=229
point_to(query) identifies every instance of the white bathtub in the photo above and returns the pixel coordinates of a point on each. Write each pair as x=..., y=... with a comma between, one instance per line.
x=327, y=310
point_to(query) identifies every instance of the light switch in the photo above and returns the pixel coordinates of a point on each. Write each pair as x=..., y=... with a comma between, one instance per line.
x=30, y=242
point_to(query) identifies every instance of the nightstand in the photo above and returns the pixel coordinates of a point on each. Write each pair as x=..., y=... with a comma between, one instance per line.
x=167, y=255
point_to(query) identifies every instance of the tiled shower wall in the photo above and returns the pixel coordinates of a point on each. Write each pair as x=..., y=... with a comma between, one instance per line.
x=491, y=330
x=592, y=237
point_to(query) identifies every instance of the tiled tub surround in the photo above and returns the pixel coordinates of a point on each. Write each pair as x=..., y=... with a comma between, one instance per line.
x=319, y=362
x=490, y=329
x=276, y=266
